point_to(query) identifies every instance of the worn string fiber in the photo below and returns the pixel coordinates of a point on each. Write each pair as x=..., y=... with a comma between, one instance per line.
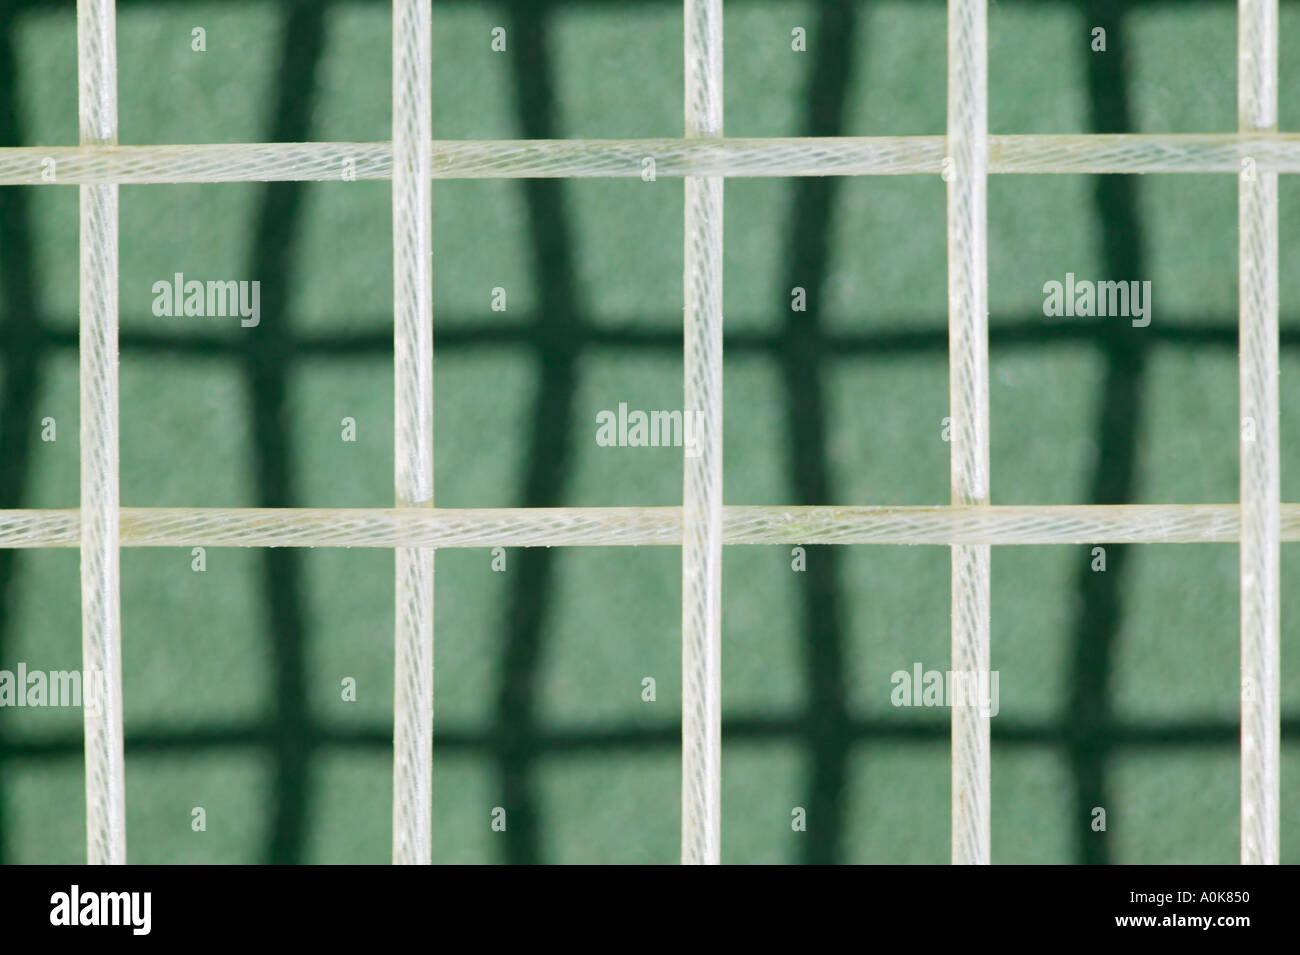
x=702, y=480
x=969, y=405
x=998, y=525
x=624, y=158
x=413, y=428
x=1260, y=468
x=101, y=617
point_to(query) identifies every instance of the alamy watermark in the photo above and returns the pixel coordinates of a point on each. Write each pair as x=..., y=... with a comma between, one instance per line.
x=948, y=688
x=652, y=429
x=1084, y=298
x=214, y=299
x=41, y=688
x=133, y=910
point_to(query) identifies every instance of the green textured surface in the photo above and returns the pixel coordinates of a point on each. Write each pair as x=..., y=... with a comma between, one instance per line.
x=1117, y=689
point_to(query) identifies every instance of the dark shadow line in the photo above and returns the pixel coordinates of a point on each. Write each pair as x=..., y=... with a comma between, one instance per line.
x=24, y=346
x=290, y=733
x=556, y=337
x=802, y=354
x=1099, y=610
x=462, y=331
x=747, y=728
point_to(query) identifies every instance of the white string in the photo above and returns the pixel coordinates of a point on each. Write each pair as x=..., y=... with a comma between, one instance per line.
x=1260, y=469
x=702, y=479
x=413, y=429
x=101, y=617
x=969, y=396
x=997, y=525
x=623, y=158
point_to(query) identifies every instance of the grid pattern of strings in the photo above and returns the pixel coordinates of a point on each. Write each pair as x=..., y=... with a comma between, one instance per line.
x=970, y=525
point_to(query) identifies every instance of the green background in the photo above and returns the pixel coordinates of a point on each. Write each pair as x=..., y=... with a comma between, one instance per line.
x=1118, y=689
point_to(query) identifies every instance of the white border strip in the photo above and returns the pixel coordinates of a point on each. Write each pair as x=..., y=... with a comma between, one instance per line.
x=969, y=396
x=413, y=428
x=623, y=158
x=101, y=616
x=702, y=478
x=1260, y=468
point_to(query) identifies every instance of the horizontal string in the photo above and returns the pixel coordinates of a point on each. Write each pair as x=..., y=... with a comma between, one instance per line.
x=647, y=159
x=635, y=526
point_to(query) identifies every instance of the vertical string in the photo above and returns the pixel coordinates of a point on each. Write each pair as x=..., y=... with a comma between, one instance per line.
x=702, y=478
x=969, y=405
x=101, y=615
x=413, y=427
x=1260, y=469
